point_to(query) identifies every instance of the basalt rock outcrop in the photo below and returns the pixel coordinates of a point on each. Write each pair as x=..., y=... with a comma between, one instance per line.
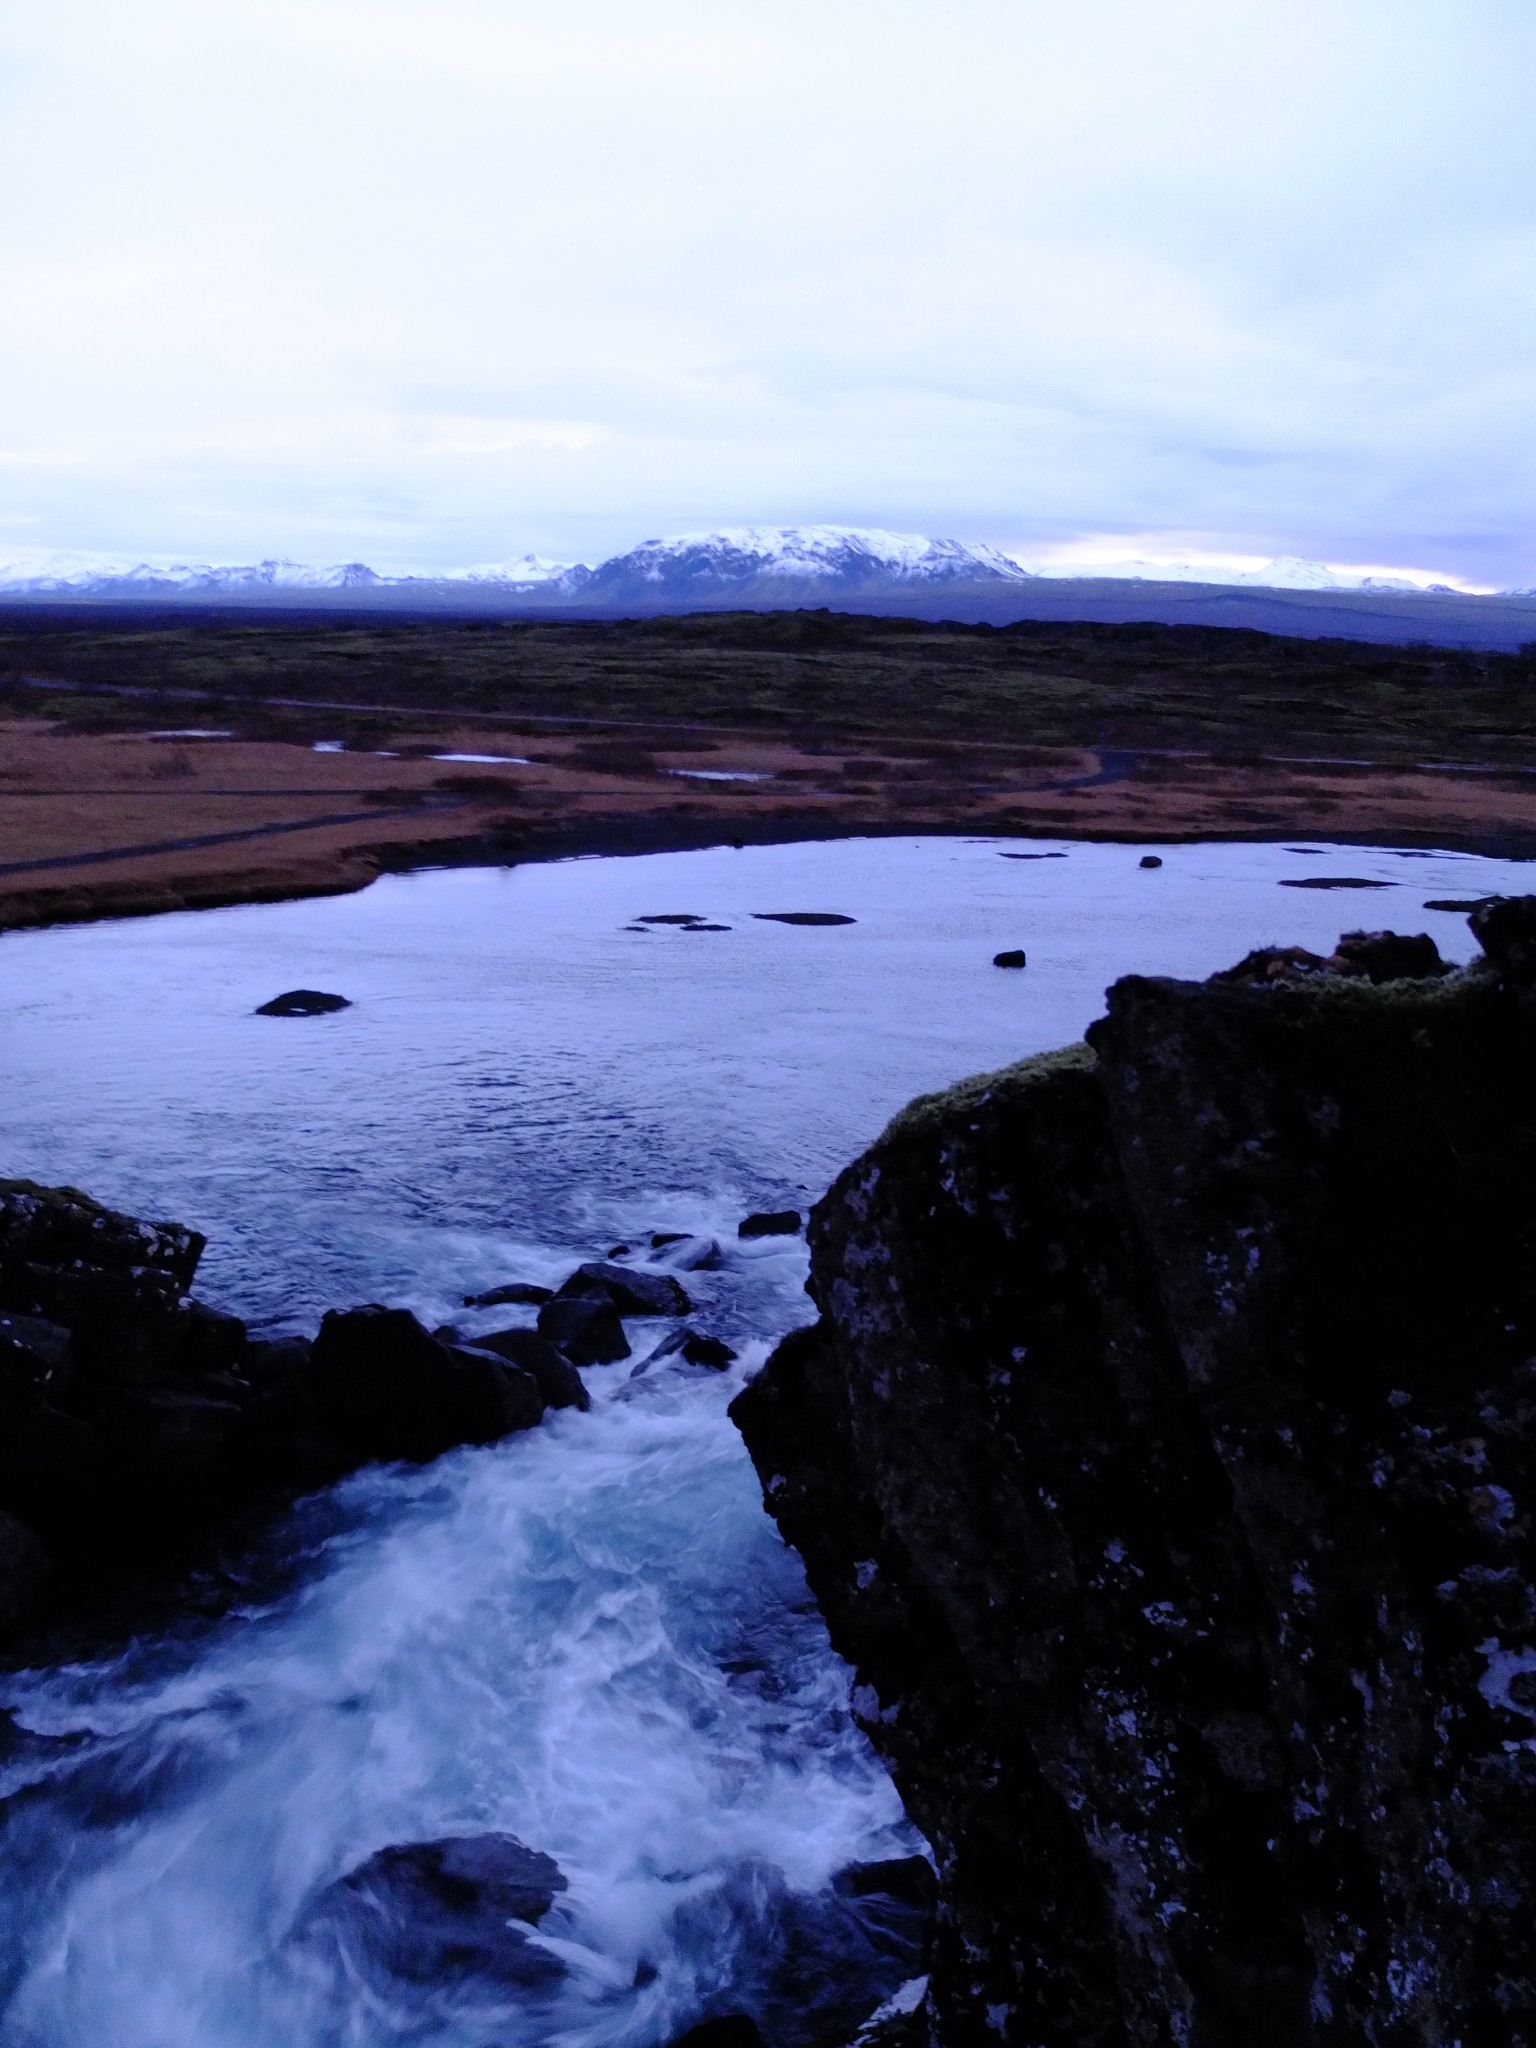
x=1164, y=1459
x=135, y=1422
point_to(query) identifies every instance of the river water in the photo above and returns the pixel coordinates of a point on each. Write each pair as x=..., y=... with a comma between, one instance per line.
x=590, y=1636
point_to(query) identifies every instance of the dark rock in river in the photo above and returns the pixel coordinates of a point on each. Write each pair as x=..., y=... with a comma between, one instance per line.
x=632, y=1291
x=1336, y=882
x=803, y=917
x=431, y=1912
x=382, y=1384
x=686, y=1254
x=1150, y=860
x=692, y=1345
x=524, y=1291
x=1164, y=1459
x=586, y=1328
x=770, y=1223
x=559, y=1382
x=304, y=1002
x=1014, y=958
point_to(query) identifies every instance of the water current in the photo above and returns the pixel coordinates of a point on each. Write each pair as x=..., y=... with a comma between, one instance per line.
x=589, y=1636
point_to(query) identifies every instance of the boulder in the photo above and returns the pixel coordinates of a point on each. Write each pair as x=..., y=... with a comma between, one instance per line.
x=1015, y=958
x=559, y=1383
x=515, y=1291
x=1162, y=1460
x=385, y=1387
x=1150, y=860
x=632, y=1291
x=692, y=1345
x=1389, y=956
x=433, y=1912
x=770, y=1223
x=304, y=1002
x=586, y=1328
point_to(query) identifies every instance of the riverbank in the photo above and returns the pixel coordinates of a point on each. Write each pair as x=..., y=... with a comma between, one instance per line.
x=134, y=822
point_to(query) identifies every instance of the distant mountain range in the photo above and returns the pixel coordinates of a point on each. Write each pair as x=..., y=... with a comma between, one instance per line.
x=772, y=568
x=752, y=566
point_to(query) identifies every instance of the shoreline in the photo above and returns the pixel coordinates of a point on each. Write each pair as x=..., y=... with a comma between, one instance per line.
x=619, y=836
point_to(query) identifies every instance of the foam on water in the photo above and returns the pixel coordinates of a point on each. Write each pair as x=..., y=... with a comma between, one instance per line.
x=590, y=1636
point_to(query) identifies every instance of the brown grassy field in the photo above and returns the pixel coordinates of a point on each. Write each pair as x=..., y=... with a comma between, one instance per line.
x=123, y=743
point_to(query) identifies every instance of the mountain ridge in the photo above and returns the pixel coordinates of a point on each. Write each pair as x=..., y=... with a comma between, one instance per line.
x=747, y=564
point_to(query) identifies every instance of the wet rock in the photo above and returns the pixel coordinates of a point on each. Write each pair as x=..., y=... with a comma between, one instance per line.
x=524, y=1291
x=1150, y=860
x=1015, y=958
x=663, y=1237
x=710, y=927
x=632, y=1291
x=559, y=1382
x=692, y=1345
x=1161, y=1459
x=25, y=1575
x=687, y=1254
x=770, y=1223
x=803, y=917
x=671, y=917
x=304, y=1002
x=909, y=1879
x=433, y=1912
x=386, y=1388
x=1336, y=882
x=1459, y=902
x=586, y=1328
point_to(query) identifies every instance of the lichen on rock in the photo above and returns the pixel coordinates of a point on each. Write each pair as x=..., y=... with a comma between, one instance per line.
x=1163, y=1459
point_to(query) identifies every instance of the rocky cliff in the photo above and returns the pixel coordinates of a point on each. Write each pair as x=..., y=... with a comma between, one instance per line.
x=1164, y=1460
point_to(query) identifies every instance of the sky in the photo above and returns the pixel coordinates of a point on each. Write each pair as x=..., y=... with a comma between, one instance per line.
x=436, y=282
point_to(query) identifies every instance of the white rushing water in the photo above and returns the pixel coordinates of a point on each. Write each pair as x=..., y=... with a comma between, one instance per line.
x=589, y=1636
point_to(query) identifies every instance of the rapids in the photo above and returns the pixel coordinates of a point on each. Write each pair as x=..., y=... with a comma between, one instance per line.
x=588, y=1636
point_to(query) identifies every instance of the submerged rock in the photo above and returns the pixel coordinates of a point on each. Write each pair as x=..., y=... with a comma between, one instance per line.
x=515, y=1291
x=770, y=1223
x=1016, y=957
x=803, y=917
x=1164, y=1460
x=304, y=1002
x=431, y=1912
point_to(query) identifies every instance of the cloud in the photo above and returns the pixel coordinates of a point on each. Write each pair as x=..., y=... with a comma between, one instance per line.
x=454, y=279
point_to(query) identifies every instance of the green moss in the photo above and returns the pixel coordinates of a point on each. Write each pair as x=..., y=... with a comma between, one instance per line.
x=980, y=1089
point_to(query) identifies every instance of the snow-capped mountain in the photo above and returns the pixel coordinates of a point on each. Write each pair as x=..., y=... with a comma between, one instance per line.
x=740, y=561
x=750, y=567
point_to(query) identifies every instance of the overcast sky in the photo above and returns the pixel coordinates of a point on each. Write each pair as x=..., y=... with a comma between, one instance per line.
x=431, y=282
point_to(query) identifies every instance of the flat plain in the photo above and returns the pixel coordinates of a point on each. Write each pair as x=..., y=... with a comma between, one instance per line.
x=153, y=760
